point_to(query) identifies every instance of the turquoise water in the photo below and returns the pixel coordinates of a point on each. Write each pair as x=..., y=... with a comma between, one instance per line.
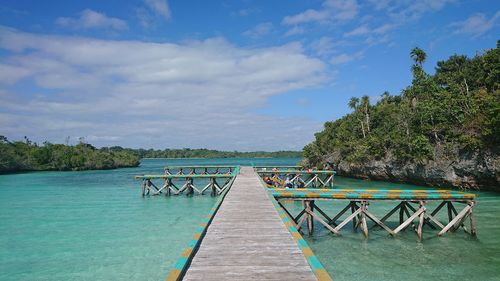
x=94, y=225
x=454, y=256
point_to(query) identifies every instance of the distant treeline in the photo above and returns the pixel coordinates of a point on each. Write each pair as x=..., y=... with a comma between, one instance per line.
x=202, y=153
x=18, y=156
x=26, y=155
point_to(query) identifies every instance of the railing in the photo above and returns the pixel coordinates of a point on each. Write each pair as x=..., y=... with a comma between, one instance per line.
x=297, y=178
x=211, y=179
x=270, y=168
x=412, y=205
x=198, y=170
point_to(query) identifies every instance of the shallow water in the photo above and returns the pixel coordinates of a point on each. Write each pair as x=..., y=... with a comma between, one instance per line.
x=94, y=225
x=454, y=256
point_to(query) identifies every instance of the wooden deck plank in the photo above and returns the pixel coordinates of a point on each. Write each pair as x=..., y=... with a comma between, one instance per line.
x=247, y=240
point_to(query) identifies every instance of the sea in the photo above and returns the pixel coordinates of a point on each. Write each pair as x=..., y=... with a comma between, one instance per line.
x=95, y=225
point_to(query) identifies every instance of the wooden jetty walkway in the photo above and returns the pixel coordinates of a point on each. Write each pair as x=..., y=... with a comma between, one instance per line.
x=250, y=234
x=247, y=239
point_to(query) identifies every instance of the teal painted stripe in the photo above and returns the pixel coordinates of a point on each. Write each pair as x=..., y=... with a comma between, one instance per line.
x=200, y=166
x=302, y=172
x=182, y=263
x=368, y=194
x=194, y=176
x=312, y=260
x=320, y=190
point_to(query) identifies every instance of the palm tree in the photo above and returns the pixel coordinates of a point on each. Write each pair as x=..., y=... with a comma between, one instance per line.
x=354, y=104
x=385, y=96
x=365, y=104
x=418, y=55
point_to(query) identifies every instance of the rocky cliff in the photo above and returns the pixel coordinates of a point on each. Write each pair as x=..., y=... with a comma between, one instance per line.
x=467, y=170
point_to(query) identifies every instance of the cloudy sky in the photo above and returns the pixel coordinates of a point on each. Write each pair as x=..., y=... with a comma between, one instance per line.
x=232, y=75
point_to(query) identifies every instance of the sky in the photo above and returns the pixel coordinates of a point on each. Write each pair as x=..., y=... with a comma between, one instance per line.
x=229, y=75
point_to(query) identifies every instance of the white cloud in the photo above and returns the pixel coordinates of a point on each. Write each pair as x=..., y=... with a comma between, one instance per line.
x=342, y=9
x=245, y=12
x=296, y=30
x=345, y=58
x=325, y=46
x=404, y=11
x=195, y=94
x=360, y=30
x=160, y=7
x=331, y=10
x=153, y=12
x=384, y=28
x=259, y=30
x=10, y=74
x=306, y=16
x=476, y=24
x=364, y=30
x=91, y=19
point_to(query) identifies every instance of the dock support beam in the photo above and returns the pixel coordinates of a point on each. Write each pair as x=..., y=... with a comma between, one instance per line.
x=409, y=215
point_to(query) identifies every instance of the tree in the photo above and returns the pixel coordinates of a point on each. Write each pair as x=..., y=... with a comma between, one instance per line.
x=418, y=55
x=454, y=111
x=365, y=105
x=354, y=104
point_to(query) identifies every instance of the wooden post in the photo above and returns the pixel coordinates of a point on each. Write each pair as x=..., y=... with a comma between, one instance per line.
x=143, y=188
x=472, y=219
x=457, y=220
x=408, y=221
x=168, y=183
x=401, y=213
x=450, y=216
x=354, y=220
x=310, y=221
x=189, y=186
x=364, y=226
x=421, y=220
x=214, y=188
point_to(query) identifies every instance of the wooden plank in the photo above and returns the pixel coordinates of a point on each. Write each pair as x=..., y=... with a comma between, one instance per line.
x=457, y=218
x=247, y=240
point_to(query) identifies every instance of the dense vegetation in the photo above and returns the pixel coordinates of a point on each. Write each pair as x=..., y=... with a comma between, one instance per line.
x=203, y=153
x=455, y=110
x=28, y=156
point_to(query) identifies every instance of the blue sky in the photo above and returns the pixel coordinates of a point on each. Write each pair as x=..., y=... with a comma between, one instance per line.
x=232, y=75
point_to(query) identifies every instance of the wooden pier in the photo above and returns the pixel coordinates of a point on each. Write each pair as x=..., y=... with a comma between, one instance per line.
x=210, y=178
x=297, y=178
x=411, y=206
x=247, y=240
x=250, y=234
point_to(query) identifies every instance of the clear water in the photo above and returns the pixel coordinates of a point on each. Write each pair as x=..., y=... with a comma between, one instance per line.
x=454, y=256
x=95, y=226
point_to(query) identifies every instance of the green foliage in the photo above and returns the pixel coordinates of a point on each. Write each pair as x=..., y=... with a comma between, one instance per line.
x=204, y=153
x=457, y=107
x=28, y=156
